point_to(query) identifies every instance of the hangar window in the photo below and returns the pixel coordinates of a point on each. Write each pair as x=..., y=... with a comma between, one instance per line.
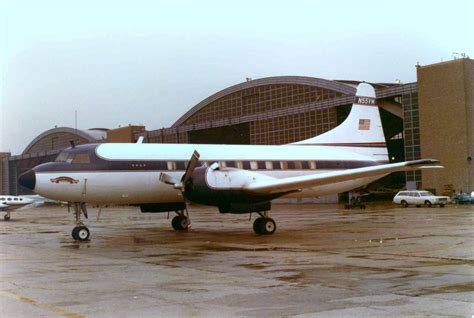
x=261, y=165
x=81, y=158
x=246, y=165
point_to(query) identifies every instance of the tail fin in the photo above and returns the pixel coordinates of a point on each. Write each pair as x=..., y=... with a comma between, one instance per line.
x=362, y=130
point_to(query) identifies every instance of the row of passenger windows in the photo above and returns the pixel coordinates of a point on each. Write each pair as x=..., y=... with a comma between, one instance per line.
x=247, y=165
x=10, y=199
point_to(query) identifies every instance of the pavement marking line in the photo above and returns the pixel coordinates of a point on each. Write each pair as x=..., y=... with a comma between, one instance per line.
x=33, y=302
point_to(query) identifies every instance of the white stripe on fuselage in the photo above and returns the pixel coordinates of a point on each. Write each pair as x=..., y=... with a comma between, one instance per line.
x=226, y=152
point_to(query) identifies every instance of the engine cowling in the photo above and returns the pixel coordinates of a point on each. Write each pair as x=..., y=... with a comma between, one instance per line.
x=225, y=188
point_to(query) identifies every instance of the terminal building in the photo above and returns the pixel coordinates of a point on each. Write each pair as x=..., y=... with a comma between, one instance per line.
x=430, y=118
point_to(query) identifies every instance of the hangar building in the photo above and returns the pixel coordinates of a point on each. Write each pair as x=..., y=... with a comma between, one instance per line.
x=432, y=117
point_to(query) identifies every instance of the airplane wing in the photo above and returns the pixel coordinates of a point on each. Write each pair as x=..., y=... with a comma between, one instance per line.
x=274, y=186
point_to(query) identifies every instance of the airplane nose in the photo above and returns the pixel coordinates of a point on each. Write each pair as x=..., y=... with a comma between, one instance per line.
x=28, y=179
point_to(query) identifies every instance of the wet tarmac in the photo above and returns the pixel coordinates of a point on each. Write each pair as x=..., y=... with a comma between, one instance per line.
x=323, y=261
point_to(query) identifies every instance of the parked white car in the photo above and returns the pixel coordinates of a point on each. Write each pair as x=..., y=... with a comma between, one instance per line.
x=418, y=198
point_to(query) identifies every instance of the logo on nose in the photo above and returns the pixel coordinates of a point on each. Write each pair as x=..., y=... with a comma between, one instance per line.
x=28, y=179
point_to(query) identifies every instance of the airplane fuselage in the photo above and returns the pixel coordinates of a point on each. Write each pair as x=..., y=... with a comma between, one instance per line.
x=129, y=173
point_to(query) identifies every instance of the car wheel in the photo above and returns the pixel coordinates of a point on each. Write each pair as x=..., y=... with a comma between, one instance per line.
x=427, y=204
x=404, y=204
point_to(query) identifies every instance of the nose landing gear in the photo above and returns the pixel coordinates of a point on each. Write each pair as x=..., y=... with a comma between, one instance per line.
x=80, y=232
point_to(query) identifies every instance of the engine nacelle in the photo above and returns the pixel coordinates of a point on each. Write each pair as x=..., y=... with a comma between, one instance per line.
x=224, y=188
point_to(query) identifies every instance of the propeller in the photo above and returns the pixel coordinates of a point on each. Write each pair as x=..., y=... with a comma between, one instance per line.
x=192, y=163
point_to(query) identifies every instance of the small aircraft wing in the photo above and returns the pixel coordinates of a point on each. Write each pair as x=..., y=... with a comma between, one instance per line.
x=273, y=186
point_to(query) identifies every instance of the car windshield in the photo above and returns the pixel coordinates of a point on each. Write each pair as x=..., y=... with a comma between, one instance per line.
x=426, y=193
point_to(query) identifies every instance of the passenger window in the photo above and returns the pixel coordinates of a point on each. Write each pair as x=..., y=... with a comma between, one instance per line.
x=15, y=199
x=81, y=158
x=9, y=199
x=230, y=164
x=268, y=165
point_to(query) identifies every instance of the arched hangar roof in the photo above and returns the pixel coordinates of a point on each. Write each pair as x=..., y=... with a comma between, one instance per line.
x=339, y=87
x=58, y=138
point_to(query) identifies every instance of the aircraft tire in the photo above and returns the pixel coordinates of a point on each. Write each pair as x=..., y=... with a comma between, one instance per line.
x=180, y=223
x=266, y=226
x=6, y=217
x=257, y=225
x=80, y=233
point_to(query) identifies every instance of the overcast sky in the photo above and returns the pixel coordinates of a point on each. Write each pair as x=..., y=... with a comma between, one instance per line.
x=148, y=62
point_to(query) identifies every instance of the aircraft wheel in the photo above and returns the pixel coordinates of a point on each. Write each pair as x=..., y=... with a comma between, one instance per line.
x=257, y=226
x=6, y=217
x=80, y=233
x=180, y=223
x=267, y=226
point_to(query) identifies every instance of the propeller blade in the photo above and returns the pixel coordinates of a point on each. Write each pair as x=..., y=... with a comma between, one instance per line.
x=166, y=178
x=190, y=167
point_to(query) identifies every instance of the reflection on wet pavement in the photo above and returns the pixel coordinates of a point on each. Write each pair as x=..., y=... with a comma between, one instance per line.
x=382, y=261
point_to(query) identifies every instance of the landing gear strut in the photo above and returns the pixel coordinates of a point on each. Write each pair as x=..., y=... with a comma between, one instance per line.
x=264, y=225
x=7, y=217
x=80, y=232
x=181, y=222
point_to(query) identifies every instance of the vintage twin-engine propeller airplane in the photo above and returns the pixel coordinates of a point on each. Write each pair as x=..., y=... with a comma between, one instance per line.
x=235, y=178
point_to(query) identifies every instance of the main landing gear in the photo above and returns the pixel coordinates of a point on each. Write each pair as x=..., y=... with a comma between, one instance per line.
x=181, y=222
x=80, y=232
x=264, y=225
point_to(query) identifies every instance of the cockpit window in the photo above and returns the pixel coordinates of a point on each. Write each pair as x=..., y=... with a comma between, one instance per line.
x=81, y=158
x=62, y=157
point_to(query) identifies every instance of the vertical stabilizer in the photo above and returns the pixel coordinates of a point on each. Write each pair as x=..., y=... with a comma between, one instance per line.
x=362, y=130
